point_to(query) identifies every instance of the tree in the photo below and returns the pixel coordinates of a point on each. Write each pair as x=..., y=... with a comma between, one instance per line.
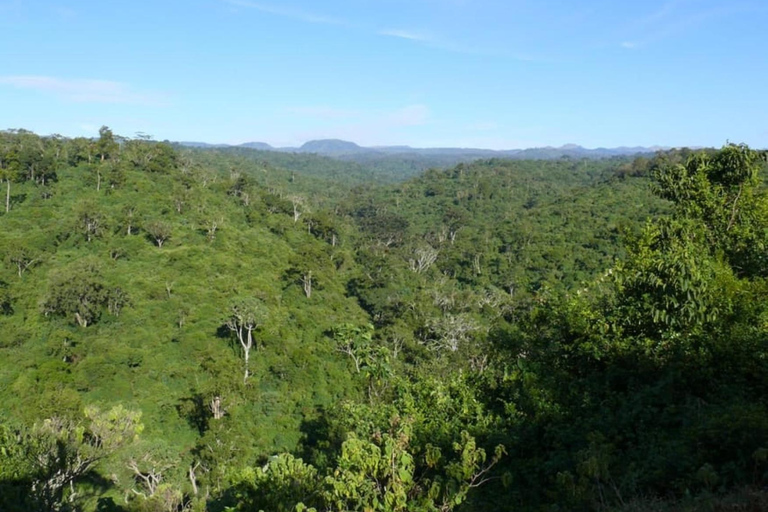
x=6, y=301
x=450, y=332
x=57, y=453
x=423, y=258
x=355, y=342
x=306, y=283
x=77, y=292
x=721, y=191
x=80, y=150
x=384, y=474
x=159, y=232
x=106, y=147
x=31, y=155
x=10, y=170
x=22, y=257
x=91, y=222
x=246, y=316
x=283, y=484
x=298, y=203
x=130, y=218
x=211, y=225
x=117, y=299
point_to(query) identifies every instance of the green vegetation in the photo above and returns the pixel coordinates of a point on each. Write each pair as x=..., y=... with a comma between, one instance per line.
x=209, y=330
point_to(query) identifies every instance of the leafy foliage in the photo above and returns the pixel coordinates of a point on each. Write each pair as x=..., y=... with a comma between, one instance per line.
x=537, y=335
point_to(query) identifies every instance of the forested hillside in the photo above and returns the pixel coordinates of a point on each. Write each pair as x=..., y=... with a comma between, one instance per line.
x=208, y=329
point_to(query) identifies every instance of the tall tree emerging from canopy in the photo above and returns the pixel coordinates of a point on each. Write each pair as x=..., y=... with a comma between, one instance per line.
x=10, y=170
x=246, y=316
x=106, y=147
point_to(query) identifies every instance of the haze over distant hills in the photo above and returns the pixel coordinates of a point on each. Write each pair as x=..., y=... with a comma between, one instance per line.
x=351, y=151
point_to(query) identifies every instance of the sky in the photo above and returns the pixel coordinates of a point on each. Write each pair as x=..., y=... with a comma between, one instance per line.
x=499, y=74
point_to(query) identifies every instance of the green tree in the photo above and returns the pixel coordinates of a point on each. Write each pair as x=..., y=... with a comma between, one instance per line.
x=383, y=474
x=106, y=148
x=77, y=292
x=22, y=257
x=52, y=456
x=721, y=191
x=158, y=231
x=91, y=222
x=10, y=171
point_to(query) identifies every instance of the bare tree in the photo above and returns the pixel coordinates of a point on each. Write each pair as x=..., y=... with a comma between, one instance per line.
x=246, y=316
x=298, y=203
x=211, y=226
x=450, y=332
x=193, y=478
x=150, y=479
x=179, y=201
x=397, y=341
x=476, y=264
x=181, y=316
x=423, y=259
x=216, y=408
x=306, y=281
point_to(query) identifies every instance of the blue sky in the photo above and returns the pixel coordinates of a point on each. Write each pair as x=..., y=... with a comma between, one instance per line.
x=480, y=73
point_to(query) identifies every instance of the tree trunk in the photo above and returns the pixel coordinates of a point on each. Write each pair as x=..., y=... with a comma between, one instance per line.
x=193, y=477
x=307, y=282
x=80, y=320
x=247, y=351
x=8, y=196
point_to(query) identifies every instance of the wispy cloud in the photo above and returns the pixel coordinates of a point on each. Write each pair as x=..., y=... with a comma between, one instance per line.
x=666, y=9
x=406, y=34
x=83, y=90
x=289, y=12
x=675, y=17
x=424, y=37
x=434, y=41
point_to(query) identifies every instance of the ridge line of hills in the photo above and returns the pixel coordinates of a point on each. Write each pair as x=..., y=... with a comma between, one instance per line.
x=343, y=148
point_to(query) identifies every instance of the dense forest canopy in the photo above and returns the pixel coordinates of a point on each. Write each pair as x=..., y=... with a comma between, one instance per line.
x=209, y=329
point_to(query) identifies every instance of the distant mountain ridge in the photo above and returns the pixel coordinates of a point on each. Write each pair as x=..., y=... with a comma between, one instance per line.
x=337, y=148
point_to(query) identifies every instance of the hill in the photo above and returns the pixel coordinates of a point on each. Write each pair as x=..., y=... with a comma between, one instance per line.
x=198, y=329
x=398, y=163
